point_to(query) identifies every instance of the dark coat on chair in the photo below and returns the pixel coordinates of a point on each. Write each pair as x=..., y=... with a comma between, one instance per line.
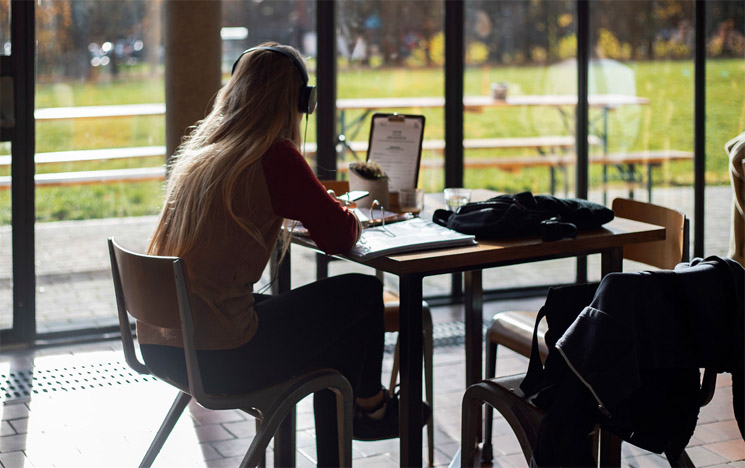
x=634, y=356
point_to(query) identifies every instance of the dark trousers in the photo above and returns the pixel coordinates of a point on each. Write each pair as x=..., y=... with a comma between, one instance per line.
x=333, y=323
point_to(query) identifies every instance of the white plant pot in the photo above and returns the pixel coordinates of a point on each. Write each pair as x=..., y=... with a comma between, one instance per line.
x=378, y=189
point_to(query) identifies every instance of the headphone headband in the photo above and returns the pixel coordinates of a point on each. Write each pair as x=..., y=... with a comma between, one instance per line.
x=307, y=94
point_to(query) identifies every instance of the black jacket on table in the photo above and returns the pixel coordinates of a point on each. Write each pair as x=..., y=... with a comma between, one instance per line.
x=634, y=356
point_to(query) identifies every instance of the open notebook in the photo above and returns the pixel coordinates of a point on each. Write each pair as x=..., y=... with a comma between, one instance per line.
x=407, y=236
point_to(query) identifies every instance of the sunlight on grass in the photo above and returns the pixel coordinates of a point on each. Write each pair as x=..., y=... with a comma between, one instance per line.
x=666, y=123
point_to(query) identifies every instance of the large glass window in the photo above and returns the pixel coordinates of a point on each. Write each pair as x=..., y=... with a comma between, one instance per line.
x=99, y=126
x=519, y=91
x=725, y=114
x=99, y=109
x=391, y=50
x=643, y=51
x=101, y=135
x=391, y=58
x=520, y=95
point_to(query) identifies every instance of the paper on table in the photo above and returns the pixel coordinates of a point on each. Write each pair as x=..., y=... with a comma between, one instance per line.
x=407, y=236
x=395, y=144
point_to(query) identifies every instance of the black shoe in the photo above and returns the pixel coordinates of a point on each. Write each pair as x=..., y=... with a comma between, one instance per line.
x=367, y=428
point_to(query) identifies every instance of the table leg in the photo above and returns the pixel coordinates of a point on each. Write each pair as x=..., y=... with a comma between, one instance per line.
x=649, y=183
x=474, y=325
x=581, y=269
x=632, y=180
x=456, y=282
x=410, y=336
x=474, y=318
x=611, y=260
x=284, y=439
x=322, y=266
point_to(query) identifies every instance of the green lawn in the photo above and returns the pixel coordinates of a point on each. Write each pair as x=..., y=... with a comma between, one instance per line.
x=666, y=123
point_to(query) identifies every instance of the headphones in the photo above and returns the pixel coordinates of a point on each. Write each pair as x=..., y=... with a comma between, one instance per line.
x=307, y=94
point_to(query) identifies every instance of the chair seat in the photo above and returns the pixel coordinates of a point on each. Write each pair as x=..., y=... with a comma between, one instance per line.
x=514, y=329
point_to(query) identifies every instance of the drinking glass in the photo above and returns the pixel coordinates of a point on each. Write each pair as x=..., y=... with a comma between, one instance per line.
x=456, y=197
x=411, y=200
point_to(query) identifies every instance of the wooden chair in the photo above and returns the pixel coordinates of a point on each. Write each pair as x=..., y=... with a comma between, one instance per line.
x=514, y=329
x=504, y=395
x=155, y=290
x=392, y=310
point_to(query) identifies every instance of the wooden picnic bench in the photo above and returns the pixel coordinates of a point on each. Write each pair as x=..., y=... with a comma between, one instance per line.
x=626, y=162
x=139, y=174
x=538, y=143
x=553, y=151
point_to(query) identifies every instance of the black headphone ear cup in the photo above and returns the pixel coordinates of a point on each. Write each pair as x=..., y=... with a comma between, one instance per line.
x=307, y=99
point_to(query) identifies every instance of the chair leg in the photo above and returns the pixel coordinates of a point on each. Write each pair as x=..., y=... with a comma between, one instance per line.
x=683, y=460
x=394, y=370
x=344, y=421
x=284, y=406
x=487, y=451
x=428, y=352
x=468, y=431
x=177, y=408
x=609, y=447
x=505, y=396
x=262, y=461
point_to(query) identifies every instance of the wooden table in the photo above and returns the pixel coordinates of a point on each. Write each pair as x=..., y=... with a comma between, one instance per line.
x=411, y=268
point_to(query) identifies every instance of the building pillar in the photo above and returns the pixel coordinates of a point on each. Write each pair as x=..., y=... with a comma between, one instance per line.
x=193, y=55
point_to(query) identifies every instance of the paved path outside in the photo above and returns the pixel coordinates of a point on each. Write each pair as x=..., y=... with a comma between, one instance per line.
x=74, y=287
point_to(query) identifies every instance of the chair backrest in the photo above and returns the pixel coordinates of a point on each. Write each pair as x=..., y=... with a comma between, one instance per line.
x=340, y=187
x=664, y=254
x=154, y=291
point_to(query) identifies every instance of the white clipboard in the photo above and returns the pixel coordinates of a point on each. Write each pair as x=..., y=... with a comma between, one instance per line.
x=396, y=145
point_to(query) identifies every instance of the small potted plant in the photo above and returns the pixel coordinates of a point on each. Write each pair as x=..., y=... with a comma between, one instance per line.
x=369, y=176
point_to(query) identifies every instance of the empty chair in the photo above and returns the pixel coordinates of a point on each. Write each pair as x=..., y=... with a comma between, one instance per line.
x=514, y=329
x=155, y=290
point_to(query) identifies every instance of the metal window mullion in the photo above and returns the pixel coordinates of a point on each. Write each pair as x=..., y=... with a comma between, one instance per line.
x=582, y=115
x=699, y=130
x=454, y=68
x=326, y=84
x=23, y=207
x=582, y=110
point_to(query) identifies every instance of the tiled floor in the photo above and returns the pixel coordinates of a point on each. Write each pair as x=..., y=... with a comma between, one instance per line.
x=109, y=419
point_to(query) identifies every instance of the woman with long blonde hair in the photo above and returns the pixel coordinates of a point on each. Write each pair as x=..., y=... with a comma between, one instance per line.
x=231, y=185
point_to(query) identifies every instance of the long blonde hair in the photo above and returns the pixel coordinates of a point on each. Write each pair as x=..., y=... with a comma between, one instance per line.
x=257, y=107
